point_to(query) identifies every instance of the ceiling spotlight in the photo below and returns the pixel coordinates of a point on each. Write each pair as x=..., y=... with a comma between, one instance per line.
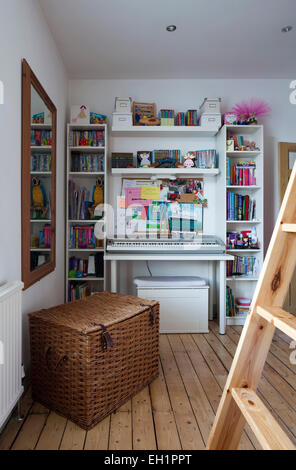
x=286, y=29
x=171, y=28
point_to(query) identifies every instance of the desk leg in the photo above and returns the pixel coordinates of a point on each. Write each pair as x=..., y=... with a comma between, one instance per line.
x=222, y=293
x=212, y=267
x=113, y=276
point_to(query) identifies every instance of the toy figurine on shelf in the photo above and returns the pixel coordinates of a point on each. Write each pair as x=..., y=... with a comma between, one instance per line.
x=251, y=146
x=242, y=120
x=98, y=197
x=252, y=119
x=189, y=160
x=38, y=199
x=84, y=142
x=144, y=159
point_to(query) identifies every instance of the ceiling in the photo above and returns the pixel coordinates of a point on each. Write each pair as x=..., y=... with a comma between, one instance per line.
x=125, y=39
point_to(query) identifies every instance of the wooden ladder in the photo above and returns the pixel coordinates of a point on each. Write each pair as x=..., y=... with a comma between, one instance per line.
x=240, y=402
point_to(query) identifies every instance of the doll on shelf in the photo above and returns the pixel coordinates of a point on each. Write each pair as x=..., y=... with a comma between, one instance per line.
x=189, y=160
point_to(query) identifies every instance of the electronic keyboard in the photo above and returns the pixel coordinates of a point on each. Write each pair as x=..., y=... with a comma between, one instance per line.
x=203, y=244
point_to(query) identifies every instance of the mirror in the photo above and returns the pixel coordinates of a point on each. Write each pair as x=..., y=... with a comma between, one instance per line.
x=38, y=179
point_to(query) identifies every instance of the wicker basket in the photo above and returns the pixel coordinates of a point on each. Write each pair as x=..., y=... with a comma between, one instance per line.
x=90, y=356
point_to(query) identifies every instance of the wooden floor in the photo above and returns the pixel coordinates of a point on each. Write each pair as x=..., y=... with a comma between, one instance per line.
x=177, y=410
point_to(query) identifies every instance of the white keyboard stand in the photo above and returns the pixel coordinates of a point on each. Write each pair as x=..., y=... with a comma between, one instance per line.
x=211, y=258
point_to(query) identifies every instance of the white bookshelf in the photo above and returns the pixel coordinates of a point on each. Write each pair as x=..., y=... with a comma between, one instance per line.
x=244, y=286
x=87, y=179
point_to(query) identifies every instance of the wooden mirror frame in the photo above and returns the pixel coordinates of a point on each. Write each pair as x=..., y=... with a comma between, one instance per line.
x=30, y=277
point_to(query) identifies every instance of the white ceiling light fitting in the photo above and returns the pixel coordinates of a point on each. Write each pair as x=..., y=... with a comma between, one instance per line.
x=171, y=28
x=286, y=29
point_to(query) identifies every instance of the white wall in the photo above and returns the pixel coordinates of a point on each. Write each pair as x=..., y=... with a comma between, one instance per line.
x=182, y=95
x=24, y=34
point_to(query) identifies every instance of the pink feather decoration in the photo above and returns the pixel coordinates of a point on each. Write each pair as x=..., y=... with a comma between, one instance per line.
x=255, y=107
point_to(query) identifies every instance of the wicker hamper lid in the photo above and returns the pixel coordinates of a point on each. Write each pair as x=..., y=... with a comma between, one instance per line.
x=87, y=315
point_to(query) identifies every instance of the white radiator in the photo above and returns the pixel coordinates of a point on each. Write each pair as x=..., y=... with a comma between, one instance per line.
x=10, y=348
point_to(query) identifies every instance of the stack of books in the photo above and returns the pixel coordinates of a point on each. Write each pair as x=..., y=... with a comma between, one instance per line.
x=240, y=207
x=83, y=238
x=242, y=306
x=167, y=117
x=42, y=240
x=41, y=162
x=41, y=137
x=230, y=309
x=243, y=266
x=86, y=138
x=191, y=117
x=79, y=202
x=180, y=119
x=78, y=291
x=205, y=158
x=241, y=173
x=174, y=156
x=90, y=163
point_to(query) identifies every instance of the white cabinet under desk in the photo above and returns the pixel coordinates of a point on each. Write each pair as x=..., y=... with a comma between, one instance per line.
x=213, y=259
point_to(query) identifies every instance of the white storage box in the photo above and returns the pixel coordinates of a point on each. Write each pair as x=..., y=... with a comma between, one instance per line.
x=184, y=302
x=123, y=105
x=122, y=120
x=210, y=120
x=211, y=106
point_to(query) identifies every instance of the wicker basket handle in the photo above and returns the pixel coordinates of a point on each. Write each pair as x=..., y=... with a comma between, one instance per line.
x=152, y=314
x=62, y=359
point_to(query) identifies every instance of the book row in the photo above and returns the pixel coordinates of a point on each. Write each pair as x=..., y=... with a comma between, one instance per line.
x=79, y=202
x=41, y=162
x=240, y=207
x=41, y=137
x=78, y=291
x=87, y=138
x=241, y=175
x=83, y=238
x=243, y=266
x=169, y=118
x=42, y=240
x=87, y=162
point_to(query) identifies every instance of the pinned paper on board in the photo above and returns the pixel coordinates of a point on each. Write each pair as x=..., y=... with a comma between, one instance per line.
x=133, y=197
x=150, y=192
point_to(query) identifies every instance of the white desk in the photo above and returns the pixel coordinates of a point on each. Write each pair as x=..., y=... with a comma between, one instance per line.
x=213, y=259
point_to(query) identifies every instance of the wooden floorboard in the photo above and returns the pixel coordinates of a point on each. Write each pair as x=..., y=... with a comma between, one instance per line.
x=174, y=412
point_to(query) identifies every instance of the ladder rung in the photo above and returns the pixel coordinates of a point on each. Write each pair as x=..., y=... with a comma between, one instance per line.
x=267, y=430
x=288, y=227
x=282, y=320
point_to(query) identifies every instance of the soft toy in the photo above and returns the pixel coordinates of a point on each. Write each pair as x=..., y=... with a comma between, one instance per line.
x=98, y=193
x=38, y=196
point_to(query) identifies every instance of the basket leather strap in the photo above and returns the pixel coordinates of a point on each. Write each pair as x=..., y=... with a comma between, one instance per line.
x=152, y=314
x=107, y=340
